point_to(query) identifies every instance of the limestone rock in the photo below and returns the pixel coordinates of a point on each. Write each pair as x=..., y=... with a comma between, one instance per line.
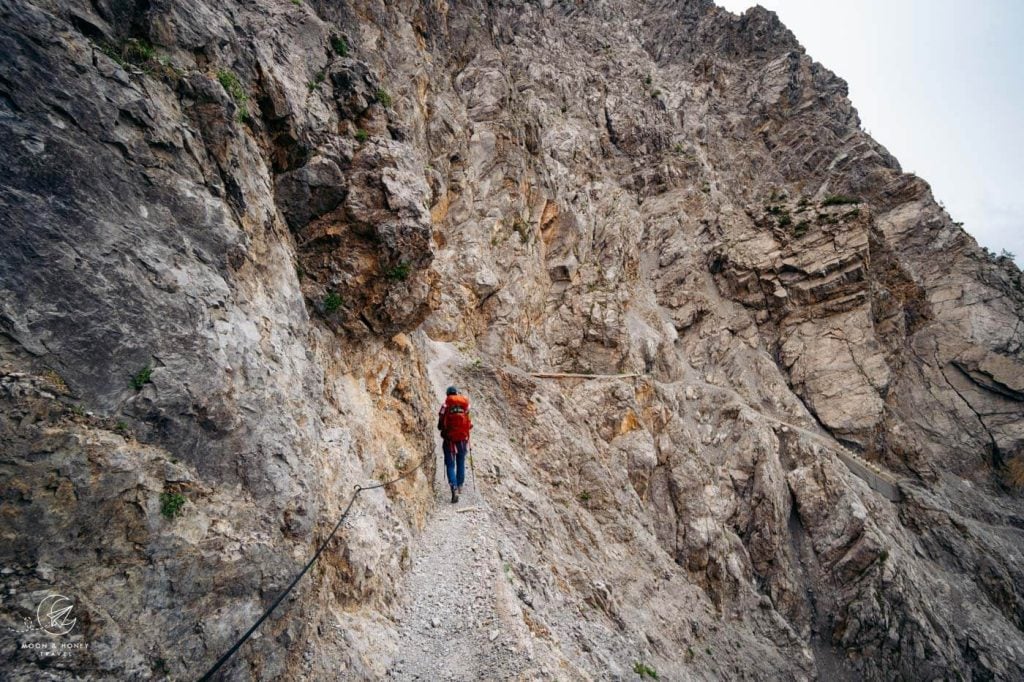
x=245, y=246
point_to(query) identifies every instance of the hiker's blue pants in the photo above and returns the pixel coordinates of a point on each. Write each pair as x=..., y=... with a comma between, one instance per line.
x=455, y=461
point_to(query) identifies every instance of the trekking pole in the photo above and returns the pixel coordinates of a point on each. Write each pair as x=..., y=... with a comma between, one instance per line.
x=472, y=471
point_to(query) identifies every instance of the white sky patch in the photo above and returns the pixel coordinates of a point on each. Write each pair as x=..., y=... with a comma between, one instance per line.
x=940, y=83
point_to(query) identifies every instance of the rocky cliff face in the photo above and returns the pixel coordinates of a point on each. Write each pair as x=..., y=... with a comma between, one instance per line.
x=237, y=234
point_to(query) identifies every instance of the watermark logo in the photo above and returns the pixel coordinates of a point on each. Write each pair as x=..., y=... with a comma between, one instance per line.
x=54, y=615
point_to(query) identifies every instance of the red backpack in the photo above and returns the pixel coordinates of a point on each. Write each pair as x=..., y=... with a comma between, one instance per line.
x=455, y=419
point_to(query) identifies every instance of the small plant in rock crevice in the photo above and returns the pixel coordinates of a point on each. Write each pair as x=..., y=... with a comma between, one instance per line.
x=645, y=671
x=398, y=273
x=134, y=51
x=839, y=200
x=383, y=97
x=340, y=46
x=142, y=377
x=233, y=86
x=171, y=504
x=362, y=136
x=138, y=50
x=229, y=81
x=317, y=81
x=332, y=302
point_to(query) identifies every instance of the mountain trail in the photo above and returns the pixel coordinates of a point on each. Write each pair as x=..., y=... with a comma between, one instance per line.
x=452, y=622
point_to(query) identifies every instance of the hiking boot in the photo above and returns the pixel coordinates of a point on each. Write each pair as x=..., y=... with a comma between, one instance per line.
x=455, y=494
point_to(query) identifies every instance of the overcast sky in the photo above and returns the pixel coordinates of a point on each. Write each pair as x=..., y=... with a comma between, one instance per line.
x=940, y=83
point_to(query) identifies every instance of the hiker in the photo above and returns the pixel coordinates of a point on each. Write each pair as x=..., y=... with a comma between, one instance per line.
x=454, y=423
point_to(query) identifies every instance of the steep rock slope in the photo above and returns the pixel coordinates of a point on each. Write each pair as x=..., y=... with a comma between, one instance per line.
x=236, y=233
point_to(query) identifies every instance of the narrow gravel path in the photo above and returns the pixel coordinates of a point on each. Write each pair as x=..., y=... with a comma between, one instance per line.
x=452, y=625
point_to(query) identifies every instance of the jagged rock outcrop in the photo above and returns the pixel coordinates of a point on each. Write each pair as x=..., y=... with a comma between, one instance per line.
x=235, y=234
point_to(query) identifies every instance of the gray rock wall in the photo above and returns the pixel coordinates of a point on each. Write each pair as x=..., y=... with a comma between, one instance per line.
x=234, y=233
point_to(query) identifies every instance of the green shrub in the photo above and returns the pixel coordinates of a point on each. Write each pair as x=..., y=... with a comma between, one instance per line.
x=785, y=220
x=142, y=378
x=399, y=272
x=132, y=51
x=384, y=98
x=644, y=670
x=229, y=81
x=340, y=46
x=317, y=80
x=584, y=496
x=332, y=302
x=852, y=214
x=138, y=51
x=171, y=504
x=362, y=136
x=800, y=229
x=839, y=200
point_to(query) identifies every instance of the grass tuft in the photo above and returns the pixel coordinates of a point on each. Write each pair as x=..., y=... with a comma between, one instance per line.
x=141, y=378
x=171, y=504
x=399, y=272
x=340, y=46
x=229, y=81
x=644, y=670
x=332, y=302
x=839, y=200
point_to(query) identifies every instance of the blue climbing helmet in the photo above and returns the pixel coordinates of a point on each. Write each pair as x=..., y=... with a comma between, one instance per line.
x=451, y=391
